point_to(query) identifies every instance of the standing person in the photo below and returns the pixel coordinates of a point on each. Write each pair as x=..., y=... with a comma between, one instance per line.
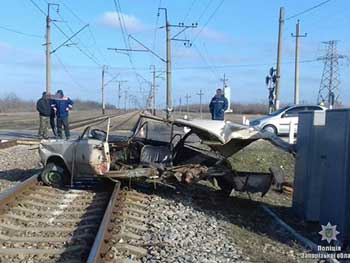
x=62, y=106
x=43, y=106
x=218, y=106
x=53, y=117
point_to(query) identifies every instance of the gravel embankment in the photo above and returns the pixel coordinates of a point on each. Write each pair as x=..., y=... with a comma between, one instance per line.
x=180, y=231
x=199, y=224
x=16, y=164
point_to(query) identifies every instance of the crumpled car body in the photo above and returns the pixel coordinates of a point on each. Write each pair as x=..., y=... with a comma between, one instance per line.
x=182, y=150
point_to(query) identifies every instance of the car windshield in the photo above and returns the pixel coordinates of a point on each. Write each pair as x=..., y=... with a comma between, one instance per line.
x=275, y=113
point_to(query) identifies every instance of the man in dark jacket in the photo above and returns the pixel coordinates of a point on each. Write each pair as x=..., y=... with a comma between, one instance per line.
x=218, y=106
x=44, y=108
x=62, y=105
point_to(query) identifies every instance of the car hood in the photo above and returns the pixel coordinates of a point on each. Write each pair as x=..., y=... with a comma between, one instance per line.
x=227, y=137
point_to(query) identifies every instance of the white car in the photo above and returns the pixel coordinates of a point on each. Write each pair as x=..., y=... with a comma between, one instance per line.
x=278, y=122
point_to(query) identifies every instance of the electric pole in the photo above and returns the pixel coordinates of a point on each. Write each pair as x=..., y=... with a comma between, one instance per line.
x=180, y=105
x=296, y=74
x=48, y=44
x=188, y=105
x=48, y=48
x=168, y=55
x=169, y=106
x=200, y=94
x=119, y=91
x=125, y=99
x=224, y=83
x=167, y=60
x=279, y=58
x=153, y=90
x=103, y=89
x=48, y=51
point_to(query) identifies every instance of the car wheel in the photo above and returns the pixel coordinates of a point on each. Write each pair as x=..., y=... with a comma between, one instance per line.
x=54, y=175
x=270, y=128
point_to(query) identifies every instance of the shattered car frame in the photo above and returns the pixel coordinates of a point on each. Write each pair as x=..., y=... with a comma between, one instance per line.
x=159, y=150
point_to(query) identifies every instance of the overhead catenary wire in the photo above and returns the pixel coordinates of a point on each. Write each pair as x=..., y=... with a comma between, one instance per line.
x=92, y=36
x=62, y=32
x=205, y=10
x=20, y=32
x=68, y=72
x=189, y=10
x=210, y=67
x=126, y=38
x=208, y=20
x=307, y=10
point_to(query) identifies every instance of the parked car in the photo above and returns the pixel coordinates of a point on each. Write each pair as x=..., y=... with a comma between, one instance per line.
x=278, y=122
x=158, y=150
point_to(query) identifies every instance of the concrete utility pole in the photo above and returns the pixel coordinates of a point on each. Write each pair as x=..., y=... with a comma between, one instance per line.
x=224, y=83
x=296, y=74
x=103, y=90
x=167, y=61
x=125, y=98
x=48, y=52
x=279, y=58
x=153, y=91
x=188, y=105
x=169, y=106
x=119, y=91
x=200, y=94
x=180, y=105
x=48, y=48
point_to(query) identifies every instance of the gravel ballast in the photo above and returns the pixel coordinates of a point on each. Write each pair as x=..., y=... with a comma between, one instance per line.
x=182, y=232
x=17, y=164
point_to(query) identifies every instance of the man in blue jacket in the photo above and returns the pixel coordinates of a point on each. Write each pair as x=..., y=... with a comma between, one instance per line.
x=218, y=106
x=62, y=105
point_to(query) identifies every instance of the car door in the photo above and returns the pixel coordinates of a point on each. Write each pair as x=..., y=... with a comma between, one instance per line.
x=290, y=115
x=91, y=156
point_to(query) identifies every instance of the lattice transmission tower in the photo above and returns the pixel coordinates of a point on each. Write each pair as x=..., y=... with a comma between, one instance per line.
x=329, y=92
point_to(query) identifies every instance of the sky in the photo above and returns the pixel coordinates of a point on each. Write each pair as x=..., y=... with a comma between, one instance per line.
x=237, y=38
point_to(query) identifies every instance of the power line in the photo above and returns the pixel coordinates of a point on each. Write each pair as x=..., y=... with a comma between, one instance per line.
x=59, y=29
x=38, y=7
x=210, y=67
x=205, y=10
x=79, y=41
x=189, y=10
x=208, y=20
x=124, y=34
x=80, y=49
x=20, y=32
x=308, y=10
x=156, y=26
x=68, y=73
x=90, y=31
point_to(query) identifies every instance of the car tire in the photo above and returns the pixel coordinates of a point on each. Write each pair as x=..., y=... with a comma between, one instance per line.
x=54, y=175
x=270, y=128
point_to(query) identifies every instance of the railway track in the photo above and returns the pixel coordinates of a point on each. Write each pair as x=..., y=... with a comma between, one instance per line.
x=100, y=122
x=89, y=224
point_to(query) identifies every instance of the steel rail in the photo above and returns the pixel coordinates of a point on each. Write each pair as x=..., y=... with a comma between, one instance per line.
x=98, y=246
x=10, y=194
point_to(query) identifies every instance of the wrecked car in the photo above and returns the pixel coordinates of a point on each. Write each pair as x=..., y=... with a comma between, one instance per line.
x=158, y=150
